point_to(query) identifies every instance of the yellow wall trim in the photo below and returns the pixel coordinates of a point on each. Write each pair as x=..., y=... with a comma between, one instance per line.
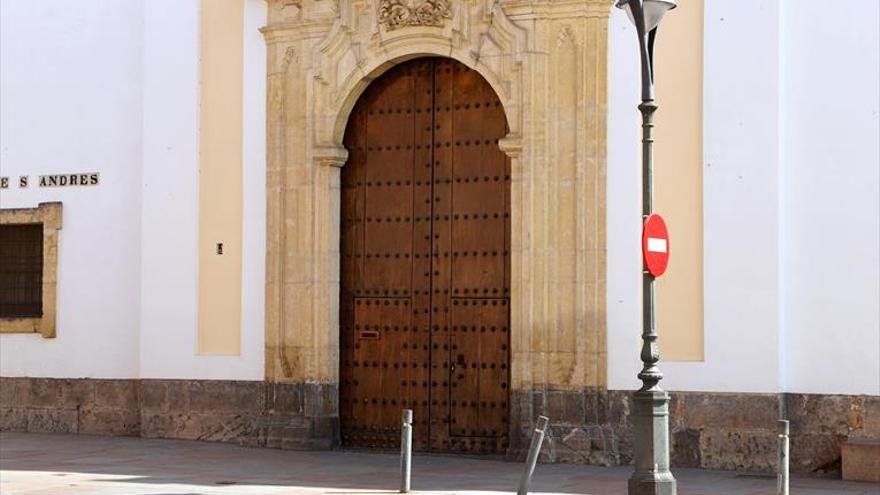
x=220, y=174
x=678, y=179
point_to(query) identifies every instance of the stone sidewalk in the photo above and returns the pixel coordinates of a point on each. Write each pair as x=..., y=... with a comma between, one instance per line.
x=69, y=464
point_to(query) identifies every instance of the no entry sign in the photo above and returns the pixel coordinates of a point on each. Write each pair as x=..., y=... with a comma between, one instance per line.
x=655, y=245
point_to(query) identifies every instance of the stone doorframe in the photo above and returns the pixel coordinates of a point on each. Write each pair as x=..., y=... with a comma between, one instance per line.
x=547, y=61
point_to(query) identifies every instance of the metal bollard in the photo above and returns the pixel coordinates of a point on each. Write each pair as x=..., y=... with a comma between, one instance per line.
x=406, y=450
x=532, y=459
x=782, y=463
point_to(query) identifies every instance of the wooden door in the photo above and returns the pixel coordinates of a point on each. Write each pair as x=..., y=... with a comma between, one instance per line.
x=425, y=275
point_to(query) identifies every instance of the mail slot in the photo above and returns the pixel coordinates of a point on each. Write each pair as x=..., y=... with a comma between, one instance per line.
x=369, y=335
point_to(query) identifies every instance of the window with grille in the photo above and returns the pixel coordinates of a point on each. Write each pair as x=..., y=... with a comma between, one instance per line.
x=21, y=271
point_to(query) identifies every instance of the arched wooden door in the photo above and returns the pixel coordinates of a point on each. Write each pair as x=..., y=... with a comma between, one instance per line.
x=425, y=275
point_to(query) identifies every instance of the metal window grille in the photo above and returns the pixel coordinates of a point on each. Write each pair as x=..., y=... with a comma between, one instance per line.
x=21, y=271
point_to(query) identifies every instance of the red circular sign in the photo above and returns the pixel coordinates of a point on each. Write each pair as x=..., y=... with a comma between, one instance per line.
x=655, y=245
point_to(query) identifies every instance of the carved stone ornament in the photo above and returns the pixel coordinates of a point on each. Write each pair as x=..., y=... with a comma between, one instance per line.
x=394, y=14
x=546, y=62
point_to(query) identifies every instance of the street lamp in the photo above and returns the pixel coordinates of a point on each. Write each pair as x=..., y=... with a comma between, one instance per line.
x=650, y=414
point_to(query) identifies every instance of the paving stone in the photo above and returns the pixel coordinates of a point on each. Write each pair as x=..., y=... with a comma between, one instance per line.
x=36, y=464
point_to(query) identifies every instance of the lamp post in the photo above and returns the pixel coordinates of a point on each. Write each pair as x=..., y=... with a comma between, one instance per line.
x=650, y=414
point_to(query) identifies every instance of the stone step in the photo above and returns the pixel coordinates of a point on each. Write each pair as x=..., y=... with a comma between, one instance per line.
x=861, y=459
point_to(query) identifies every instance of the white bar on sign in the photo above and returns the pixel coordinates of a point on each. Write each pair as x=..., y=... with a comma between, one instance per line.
x=656, y=245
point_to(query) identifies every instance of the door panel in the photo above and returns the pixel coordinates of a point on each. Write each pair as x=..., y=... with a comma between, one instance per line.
x=425, y=262
x=479, y=372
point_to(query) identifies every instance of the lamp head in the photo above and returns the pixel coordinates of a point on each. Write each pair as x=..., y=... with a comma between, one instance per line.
x=652, y=10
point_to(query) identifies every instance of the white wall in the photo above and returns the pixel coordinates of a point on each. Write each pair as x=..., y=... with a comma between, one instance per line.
x=791, y=250
x=113, y=87
x=740, y=102
x=253, y=283
x=170, y=188
x=70, y=87
x=790, y=178
x=831, y=199
x=741, y=211
x=624, y=205
x=170, y=191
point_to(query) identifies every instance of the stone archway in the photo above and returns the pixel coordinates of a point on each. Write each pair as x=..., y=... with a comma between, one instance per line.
x=547, y=64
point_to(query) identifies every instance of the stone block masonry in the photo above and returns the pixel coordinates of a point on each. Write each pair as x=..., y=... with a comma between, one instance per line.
x=861, y=460
x=709, y=430
x=729, y=431
x=258, y=414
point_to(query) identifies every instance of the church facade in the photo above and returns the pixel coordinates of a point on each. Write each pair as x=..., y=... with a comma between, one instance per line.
x=280, y=223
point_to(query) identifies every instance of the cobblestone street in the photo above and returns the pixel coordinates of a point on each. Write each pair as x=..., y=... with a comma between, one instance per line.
x=71, y=464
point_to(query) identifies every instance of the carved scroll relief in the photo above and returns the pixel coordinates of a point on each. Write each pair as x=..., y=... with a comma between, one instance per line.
x=394, y=14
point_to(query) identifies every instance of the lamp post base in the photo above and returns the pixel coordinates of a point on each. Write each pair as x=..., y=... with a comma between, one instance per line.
x=654, y=484
x=650, y=424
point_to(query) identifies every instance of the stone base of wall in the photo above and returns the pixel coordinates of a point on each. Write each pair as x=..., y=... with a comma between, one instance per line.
x=729, y=431
x=259, y=414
